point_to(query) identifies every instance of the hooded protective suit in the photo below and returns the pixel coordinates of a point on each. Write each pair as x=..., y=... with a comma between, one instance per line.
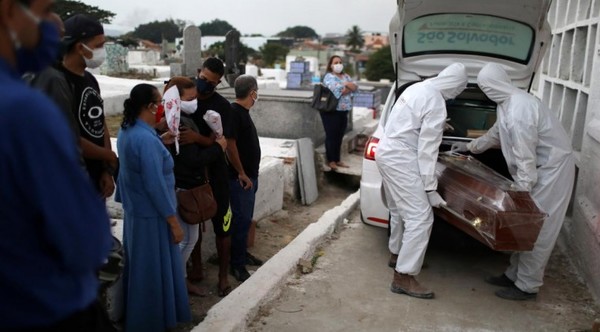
x=539, y=157
x=406, y=157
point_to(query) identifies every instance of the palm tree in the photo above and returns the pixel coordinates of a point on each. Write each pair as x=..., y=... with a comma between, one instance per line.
x=355, y=39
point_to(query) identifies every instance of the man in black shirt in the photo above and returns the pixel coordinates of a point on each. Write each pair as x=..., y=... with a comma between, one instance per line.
x=84, y=40
x=207, y=80
x=243, y=152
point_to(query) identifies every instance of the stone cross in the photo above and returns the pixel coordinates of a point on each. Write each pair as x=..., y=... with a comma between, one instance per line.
x=192, y=53
x=232, y=51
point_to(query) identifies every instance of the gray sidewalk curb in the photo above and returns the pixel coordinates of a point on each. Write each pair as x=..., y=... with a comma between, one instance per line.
x=235, y=311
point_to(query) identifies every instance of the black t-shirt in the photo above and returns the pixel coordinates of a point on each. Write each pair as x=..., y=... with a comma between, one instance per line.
x=88, y=111
x=246, y=137
x=216, y=103
x=217, y=170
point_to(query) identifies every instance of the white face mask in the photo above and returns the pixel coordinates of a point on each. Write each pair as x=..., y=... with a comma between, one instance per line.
x=338, y=68
x=98, y=57
x=189, y=107
x=255, y=99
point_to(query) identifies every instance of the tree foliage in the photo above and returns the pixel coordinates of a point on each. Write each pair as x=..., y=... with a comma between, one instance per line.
x=355, y=39
x=68, y=8
x=218, y=49
x=273, y=52
x=299, y=32
x=156, y=31
x=380, y=65
x=215, y=27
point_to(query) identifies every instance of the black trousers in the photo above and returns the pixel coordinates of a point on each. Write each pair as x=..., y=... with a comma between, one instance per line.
x=335, y=124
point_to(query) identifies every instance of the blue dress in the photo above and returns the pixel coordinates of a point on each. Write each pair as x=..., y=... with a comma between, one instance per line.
x=154, y=285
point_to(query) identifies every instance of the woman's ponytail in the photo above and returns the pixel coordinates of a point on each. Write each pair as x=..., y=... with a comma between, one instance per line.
x=141, y=95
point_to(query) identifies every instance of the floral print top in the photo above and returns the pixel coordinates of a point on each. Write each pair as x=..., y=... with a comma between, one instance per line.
x=336, y=85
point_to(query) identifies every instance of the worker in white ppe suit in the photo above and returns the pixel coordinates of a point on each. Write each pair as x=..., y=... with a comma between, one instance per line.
x=540, y=159
x=406, y=157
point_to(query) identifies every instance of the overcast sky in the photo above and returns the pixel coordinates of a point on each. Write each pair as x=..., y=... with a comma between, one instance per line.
x=266, y=17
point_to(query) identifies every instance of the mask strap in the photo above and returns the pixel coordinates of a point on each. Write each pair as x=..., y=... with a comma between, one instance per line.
x=14, y=38
x=87, y=48
x=31, y=15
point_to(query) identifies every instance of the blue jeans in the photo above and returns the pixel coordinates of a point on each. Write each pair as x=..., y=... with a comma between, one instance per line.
x=242, y=209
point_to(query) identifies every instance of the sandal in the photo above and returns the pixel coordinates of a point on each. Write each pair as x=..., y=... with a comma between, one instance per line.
x=223, y=292
x=196, y=290
x=342, y=164
x=333, y=166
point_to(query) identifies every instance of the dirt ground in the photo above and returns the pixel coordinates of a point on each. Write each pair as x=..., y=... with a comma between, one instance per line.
x=272, y=234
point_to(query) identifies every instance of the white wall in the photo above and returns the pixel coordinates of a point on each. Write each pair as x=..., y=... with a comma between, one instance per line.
x=143, y=57
x=570, y=84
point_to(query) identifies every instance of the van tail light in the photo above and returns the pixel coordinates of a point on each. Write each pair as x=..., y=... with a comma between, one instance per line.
x=371, y=147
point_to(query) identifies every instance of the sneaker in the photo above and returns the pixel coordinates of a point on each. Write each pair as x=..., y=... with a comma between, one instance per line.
x=240, y=273
x=501, y=281
x=252, y=260
x=515, y=294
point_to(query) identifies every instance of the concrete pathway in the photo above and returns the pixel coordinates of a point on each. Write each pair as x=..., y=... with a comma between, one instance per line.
x=349, y=291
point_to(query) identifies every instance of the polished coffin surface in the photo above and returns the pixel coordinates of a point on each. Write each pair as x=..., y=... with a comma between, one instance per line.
x=482, y=203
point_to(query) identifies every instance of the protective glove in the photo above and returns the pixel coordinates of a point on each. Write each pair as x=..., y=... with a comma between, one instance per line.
x=460, y=147
x=447, y=126
x=435, y=199
x=519, y=186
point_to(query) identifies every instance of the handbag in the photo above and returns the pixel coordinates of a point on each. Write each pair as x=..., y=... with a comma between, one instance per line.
x=323, y=99
x=197, y=204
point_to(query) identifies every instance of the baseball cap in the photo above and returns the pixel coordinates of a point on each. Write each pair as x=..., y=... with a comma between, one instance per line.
x=79, y=27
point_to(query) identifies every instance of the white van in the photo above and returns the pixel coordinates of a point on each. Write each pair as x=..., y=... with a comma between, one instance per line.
x=428, y=35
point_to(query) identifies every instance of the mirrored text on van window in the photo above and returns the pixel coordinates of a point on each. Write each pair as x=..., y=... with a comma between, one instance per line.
x=468, y=33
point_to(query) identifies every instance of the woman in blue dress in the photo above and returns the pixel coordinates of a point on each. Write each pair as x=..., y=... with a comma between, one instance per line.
x=336, y=122
x=154, y=286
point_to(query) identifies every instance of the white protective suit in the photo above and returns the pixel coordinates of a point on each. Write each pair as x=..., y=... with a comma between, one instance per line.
x=406, y=157
x=540, y=159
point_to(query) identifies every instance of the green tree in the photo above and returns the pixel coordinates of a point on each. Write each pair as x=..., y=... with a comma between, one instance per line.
x=329, y=42
x=156, y=31
x=355, y=39
x=126, y=40
x=215, y=27
x=218, y=49
x=380, y=65
x=273, y=52
x=68, y=8
x=299, y=32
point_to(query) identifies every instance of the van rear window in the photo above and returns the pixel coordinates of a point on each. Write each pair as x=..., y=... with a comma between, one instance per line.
x=468, y=34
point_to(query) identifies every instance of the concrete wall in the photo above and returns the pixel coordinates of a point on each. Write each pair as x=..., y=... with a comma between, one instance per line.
x=269, y=197
x=570, y=84
x=285, y=114
x=143, y=57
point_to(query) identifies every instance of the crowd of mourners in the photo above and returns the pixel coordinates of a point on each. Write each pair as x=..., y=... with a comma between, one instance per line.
x=59, y=168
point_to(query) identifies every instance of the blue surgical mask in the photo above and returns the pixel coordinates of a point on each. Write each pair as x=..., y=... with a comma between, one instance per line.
x=45, y=52
x=204, y=87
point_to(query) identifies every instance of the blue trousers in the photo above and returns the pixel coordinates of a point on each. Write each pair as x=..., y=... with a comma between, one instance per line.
x=335, y=124
x=242, y=209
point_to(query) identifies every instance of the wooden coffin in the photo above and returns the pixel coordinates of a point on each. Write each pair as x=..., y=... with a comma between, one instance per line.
x=482, y=203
